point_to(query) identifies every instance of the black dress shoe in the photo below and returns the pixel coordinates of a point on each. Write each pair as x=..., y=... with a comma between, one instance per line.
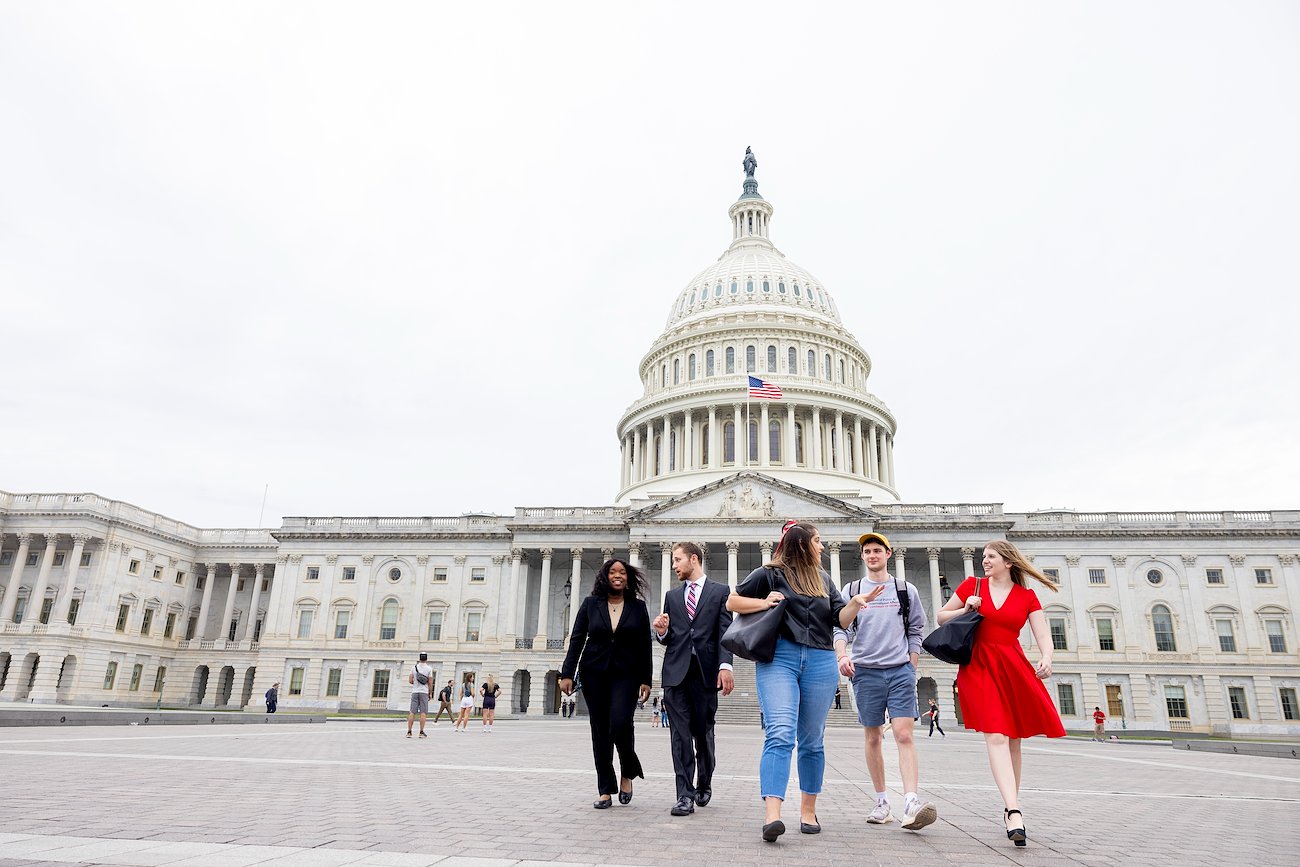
x=702, y=797
x=603, y=804
x=772, y=830
x=683, y=807
x=813, y=827
x=625, y=797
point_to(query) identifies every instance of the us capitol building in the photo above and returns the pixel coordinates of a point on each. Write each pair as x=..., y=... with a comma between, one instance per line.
x=1181, y=621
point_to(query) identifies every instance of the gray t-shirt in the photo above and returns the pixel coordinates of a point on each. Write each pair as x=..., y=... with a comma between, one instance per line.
x=879, y=640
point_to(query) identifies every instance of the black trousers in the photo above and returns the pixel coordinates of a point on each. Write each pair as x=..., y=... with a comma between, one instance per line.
x=934, y=724
x=692, y=708
x=611, y=708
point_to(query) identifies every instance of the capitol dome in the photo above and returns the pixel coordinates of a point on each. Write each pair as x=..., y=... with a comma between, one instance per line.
x=755, y=313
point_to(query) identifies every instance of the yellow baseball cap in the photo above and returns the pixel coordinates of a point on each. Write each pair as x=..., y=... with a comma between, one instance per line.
x=868, y=537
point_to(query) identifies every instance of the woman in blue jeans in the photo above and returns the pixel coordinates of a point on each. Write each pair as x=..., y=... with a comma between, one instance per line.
x=796, y=688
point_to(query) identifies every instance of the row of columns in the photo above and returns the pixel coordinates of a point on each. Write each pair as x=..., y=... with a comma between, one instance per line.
x=228, y=609
x=872, y=455
x=63, y=596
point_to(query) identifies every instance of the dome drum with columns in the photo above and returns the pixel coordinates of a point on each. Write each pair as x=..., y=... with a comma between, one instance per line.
x=754, y=312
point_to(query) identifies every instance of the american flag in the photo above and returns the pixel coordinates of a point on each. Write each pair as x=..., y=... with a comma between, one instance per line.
x=762, y=388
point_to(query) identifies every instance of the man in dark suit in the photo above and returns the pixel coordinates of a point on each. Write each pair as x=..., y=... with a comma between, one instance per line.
x=696, y=666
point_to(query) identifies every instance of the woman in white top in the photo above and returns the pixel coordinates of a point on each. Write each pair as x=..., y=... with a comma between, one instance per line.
x=466, y=702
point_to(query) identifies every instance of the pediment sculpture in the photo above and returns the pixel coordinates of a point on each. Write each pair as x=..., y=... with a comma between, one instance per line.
x=744, y=502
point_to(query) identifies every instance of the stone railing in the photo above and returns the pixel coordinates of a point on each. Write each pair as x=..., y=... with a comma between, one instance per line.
x=523, y=644
x=1067, y=518
x=461, y=524
x=570, y=514
x=937, y=510
x=555, y=644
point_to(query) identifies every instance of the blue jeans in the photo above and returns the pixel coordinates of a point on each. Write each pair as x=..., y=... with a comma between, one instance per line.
x=795, y=691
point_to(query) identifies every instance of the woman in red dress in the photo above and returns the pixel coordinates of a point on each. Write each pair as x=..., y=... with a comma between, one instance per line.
x=1001, y=693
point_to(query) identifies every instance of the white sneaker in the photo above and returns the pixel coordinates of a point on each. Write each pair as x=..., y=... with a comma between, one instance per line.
x=880, y=815
x=917, y=815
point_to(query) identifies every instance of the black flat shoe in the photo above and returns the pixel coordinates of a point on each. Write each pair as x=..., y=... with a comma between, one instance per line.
x=813, y=827
x=1016, y=835
x=625, y=797
x=772, y=830
x=603, y=804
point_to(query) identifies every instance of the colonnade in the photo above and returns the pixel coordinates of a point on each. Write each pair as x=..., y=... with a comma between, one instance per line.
x=60, y=608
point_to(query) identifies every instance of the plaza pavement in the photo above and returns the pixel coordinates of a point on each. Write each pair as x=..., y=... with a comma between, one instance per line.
x=360, y=793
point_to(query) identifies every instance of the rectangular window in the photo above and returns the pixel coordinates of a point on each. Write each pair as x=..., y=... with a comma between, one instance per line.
x=1237, y=699
x=159, y=678
x=440, y=573
x=349, y=574
x=1114, y=700
x=1263, y=576
x=1290, y=709
x=1054, y=574
x=1096, y=576
x=1176, y=702
x=134, y=567
x=1213, y=576
x=7, y=558
x=59, y=558
x=123, y=611
x=157, y=573
x=110, y=675
x=478, y=574
x=137, y=671
x=85, y=558
x=1057, y=625
x=332, y=682
x=341, y=619
x=379, y=688
x=239, y=588
x=33, y=558
x=313, y=573
x=170, y=626
x=435, y=626
x=1276, y=637
x=146, y=622
x=19, y=610
x=1105, y=634
x=295, y=681
x=233, y=630
x=257, y=630
x=180, y=579
x=473, y=626
x=304, y=623
x=191, y=627
x=266, y=584
x=73, y=608
x=1227, y=640
x=201, y=582
x=1065, y=699
x=46, y=607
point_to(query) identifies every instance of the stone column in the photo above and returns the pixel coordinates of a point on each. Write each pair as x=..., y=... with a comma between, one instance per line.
x=200, y=632
x=859, y=465
x=788, y=459
x=544, y=602
x=37, y=600
x=250, y=622
x=816, y=462
x=663, y=446
x=889, y=453
x=665, y=568
x=622, y=462
x=900, y=562
x=64, y=600
x=873, y=463
x=229, y=610
x=841, y=456
x=739, y=422
x=936, y=595
x=833, y=548
x=688, y=442
x=967, y=564
x=575, y=581
x=634, y=553
x=648, y=470
x=733, y=552
x=15, y=579
x=764, y=440
x=766, y=549
x=512, y=629
x=713, y=437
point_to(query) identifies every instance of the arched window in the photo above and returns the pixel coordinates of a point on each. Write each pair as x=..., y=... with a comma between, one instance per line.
x=841, y=370
x=733, y=287
x=767, y=287
x=690, y=367
x=731, y=359
x=753, y=441
x=672, y=450
x=751, y=359
x=663, y=375
x=827, y=358
x=729, y=443
x=780, y=287
x=848, y=452
x=1163, y=626
x=812, y=363
x=798, y=444
x=792, y=361
x=708, y=363
x=704, y=444
x=749, y=286
x=692, y=298
x=677, y=371
x=658, y=451
x=388, y=621
x=717, y=291
x=771, y=359
x=774, y=441
x=835, y=448
x=797, y=293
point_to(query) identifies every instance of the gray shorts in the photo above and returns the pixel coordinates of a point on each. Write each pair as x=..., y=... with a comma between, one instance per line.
x=419, y=702
x=878, y=688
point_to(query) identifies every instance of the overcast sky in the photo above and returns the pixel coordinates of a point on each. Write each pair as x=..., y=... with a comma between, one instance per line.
x=404, y=259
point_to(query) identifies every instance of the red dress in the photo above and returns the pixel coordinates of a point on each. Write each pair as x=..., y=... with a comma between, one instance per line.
x=998, y=689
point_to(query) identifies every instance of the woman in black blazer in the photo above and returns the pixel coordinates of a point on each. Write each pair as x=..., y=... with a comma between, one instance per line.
x=610, y=649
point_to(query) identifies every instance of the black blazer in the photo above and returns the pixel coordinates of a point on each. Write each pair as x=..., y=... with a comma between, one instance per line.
x=704, y=633
x=599, y=652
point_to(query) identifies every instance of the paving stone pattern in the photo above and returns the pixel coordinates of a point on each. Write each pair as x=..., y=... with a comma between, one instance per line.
x=361, y=793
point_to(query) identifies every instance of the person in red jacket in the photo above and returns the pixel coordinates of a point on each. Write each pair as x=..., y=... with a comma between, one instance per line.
x=1098, y=725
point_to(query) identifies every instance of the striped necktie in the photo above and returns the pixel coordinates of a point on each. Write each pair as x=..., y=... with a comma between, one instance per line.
x=690, y=600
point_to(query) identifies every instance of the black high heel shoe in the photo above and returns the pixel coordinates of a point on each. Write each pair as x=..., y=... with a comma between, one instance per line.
x=1016, y=835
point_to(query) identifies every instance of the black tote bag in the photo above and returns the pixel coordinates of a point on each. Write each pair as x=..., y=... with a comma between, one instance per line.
x=753, y=636
x=953, y=641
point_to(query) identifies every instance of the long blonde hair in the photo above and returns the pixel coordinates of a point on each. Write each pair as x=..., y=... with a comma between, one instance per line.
x=1019, y=564
x=795, y=557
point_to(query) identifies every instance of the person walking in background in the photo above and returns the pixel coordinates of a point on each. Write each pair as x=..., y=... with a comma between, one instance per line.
x=796, y=688
x=933, y=714
x=466, y=702
x=273, y=697
x=878, y=651
x=696, y=666
x=610, y=648
x=837, y=696
x=1098, y=725
x=491, y=689
x=444, y=703
x=654, y=713
x=421, y=680
x=663, y=711
x=1001, y=693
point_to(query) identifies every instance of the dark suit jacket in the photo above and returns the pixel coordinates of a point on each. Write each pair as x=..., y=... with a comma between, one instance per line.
x=601, y=653
x=704, y=633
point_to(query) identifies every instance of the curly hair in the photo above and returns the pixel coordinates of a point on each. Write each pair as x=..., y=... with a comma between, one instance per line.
x=636, y=582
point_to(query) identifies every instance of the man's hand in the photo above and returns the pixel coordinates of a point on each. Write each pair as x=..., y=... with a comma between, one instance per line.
x=726, y=682
x=644, y=695
x=566, y=685
x=661, y=624
x=846, y=666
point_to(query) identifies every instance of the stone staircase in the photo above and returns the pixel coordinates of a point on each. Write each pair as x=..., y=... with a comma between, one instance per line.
x=741, y=707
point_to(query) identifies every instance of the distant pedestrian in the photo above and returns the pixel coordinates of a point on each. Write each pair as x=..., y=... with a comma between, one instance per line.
x=421, y=680
x=273, y=697
x=655, y=713
x=444, y=703
x=933, y=714
x=491, y=689
x=664, y=719
x=466, y=702
x=1098, y=725
x=837, y=698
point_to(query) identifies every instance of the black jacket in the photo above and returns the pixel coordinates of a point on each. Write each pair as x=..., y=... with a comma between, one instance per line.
x=599, y=652
x=704, y=633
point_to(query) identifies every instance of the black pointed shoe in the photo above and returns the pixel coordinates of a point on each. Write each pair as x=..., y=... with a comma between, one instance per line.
x=813, y=827
x=772, y=830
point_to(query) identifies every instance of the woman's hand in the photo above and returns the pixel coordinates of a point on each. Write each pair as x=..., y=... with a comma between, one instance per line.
x=566, y=685
x=1044, y=668
x=644, y=694
x=973, y=603
x=774, y=598
x=862, y=599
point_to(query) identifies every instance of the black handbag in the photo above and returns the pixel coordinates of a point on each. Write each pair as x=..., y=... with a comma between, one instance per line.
x=753, y=636
x=953, y=641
